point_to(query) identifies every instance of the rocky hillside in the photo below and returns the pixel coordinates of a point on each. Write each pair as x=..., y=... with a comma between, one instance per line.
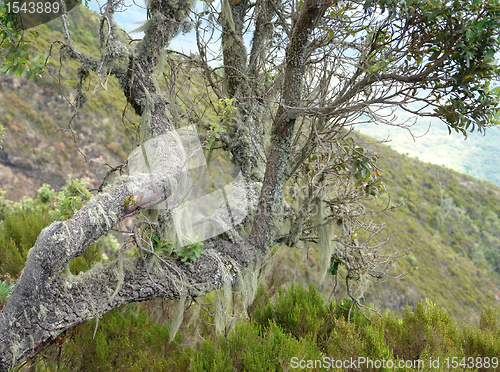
x=45, y=141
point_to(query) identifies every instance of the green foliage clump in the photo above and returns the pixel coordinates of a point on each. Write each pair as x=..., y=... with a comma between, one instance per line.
x=427, y=328
x=467, y=101
x=15, y=54
x=300, y=312
x=489, y=320
x=160, y=246
x=46, y=193
x=124, y=340
x=483, y=342
x=18, y=233
x=192, y=251
x=5, y=291
x=15, y=49
x=348, y=341
x=253, y=348
x=72, y=197
x=360, y=163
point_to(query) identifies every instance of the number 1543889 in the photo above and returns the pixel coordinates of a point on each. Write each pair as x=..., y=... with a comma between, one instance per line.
x=32, y=7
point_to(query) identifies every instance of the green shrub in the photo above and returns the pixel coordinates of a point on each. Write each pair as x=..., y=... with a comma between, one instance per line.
x=348, y=342
x=125, y=340
x=479, y=344
x=46, y=193
x=427, y=327
x=300, y=312
x=254, y=348
x=489, y=319
x=72, y=197
x=18, y=233
x=485, y=341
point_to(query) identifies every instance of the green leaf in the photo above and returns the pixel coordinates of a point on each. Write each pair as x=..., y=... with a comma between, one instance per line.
x=353, y=169
x=434, y=14
x=334, y=265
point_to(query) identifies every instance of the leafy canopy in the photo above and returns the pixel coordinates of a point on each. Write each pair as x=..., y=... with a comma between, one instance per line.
x=15, y=57
x=451, y=48
x=15, y=54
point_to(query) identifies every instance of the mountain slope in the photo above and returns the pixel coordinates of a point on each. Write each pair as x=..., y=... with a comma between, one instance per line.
x=477, y=155
x=449, y=224
x=43, y=141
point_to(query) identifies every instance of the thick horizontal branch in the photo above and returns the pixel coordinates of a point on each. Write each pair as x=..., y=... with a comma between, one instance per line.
x=69, y=301
x=28, y=320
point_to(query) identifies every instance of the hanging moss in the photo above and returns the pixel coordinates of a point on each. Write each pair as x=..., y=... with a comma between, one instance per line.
x=177, y=318
x=326, y=245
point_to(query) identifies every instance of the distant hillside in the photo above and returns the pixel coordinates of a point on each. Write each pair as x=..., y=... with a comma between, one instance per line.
x=477, y=156
x=39, y=144
x=450, y=223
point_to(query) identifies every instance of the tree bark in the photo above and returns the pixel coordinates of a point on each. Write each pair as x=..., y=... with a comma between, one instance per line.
x=283, y=124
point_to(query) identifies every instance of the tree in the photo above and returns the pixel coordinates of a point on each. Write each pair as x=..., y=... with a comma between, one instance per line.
x=314, y=67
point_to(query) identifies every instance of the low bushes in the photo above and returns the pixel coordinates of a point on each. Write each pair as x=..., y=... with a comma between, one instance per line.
x=298, y=326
